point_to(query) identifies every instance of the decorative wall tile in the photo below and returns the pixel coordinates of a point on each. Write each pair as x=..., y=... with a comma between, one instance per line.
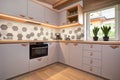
x=26, y=31
x=38, y=34
x=28, y=36
x=15, y=28
x=32, y=34
x=35, y=28
x=4, y=27
x=75, y=33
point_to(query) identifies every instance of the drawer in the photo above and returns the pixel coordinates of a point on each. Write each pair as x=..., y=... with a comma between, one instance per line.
x=91, y=69
x=92, y=62
x=93, y=47
x=92, y=54
x=38, y=63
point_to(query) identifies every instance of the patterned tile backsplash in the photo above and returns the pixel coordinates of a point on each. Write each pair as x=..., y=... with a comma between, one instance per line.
x=75, y=33
x=12, y=30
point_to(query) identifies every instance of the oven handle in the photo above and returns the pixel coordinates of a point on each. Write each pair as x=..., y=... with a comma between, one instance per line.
x=39, y=47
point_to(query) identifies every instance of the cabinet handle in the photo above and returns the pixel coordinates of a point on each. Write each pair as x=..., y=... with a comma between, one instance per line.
x=91, y=54
x=114, y=47
x=63, y=23
x=30, y=17
x=47, y=22
x=24, y=44
x=66, y=43
x=75, y=44
x=39, y=59
x=91, y=61
x=22, y=15
x=91, y=69
x=91, y=46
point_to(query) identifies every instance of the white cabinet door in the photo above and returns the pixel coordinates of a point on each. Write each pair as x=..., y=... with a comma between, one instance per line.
x=51, y=17
x=62, y=18
x=64, y=53
x=14, y=7
x=75, y=55
x=38, y=63
x=1, y=65
x=52, y=52
x=111, y=62
x=35, y=11
x=15, y=59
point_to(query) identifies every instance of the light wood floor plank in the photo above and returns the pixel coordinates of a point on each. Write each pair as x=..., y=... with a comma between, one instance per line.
x=57, y=71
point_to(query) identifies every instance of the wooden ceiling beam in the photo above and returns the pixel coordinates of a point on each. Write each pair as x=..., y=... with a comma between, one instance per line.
x=59, y=3
x=64, y=3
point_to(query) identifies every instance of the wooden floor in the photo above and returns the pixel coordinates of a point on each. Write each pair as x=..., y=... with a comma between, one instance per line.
x=57, y=71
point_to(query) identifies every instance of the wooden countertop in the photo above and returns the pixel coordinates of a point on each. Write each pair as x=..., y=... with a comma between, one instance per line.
x=64, y=41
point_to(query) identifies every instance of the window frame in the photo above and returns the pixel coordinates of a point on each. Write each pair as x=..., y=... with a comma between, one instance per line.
x=87, y=23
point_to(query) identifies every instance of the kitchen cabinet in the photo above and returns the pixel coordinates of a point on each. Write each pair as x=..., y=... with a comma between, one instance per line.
x=75, y=52
x=51, y=17
x=92, y=58
x=1, y=66
x=15, y=59
x=16, y=8
x=110, y=62
x=36, y=11
x=52, y=52
x=63, y=53
x=62, y=18
x=37, y=63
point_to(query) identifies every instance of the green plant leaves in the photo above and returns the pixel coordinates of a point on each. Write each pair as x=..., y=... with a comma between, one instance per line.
x=105, y=30
x=95, y=31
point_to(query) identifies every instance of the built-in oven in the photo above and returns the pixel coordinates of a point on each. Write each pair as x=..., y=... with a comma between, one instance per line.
x=38, y=50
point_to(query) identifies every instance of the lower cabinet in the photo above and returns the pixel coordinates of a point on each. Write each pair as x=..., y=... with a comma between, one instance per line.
x=111, y=62
x=53, y=52
x=102, y=60
x=75, y=55
x=63, y=53
x=1, y=65
x=92, y=59
x=15, y=59
x=92, y=69
x=38, y=63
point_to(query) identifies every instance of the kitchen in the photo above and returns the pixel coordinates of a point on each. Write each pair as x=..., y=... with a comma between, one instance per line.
x=65, y=27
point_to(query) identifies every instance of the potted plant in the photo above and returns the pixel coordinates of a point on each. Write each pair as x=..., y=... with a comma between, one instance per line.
x=105, y=31
x=95, y=33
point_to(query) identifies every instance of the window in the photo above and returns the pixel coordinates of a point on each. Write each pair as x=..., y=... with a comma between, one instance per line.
x=99, y=18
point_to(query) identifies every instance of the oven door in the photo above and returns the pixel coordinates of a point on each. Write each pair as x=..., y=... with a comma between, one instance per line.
x=38, y=51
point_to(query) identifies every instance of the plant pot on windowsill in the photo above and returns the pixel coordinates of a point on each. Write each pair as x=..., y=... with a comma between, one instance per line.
x=95, y=33
x=106, y=31
x=95, y=38
x=106, y=38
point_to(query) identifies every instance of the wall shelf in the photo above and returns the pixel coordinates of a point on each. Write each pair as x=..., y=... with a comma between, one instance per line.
x=74, y=15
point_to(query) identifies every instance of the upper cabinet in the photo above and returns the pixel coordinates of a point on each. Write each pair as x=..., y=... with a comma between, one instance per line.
x=36, y=11
x=51, y=17
x=75, y=15
x=16, y=8
x=62, y=18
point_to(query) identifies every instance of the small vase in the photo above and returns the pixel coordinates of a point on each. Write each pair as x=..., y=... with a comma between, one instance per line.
x=106, y=38
x=95, y=38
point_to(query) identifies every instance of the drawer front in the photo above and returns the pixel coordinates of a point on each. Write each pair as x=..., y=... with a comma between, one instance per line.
x=93, y=47
x=38, y=63
x=91, y=69
x=92, y=54
x=92, y=62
